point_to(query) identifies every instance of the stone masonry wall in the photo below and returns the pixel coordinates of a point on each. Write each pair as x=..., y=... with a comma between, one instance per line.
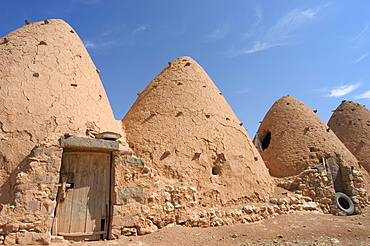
x=316, y=184
x=28, y=219
x=144, y=202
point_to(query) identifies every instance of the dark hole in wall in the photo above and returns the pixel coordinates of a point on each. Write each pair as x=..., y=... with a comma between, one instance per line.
x=266, y=141
x=216, y=170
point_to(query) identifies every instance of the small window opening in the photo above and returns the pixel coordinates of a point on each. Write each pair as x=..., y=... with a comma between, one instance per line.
x=266, y=141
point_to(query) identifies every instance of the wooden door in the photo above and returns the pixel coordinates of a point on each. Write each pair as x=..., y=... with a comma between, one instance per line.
x=82, y=210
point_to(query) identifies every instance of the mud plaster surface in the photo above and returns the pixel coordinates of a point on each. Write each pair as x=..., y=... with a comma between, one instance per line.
x=49, y=86
x=299, y=140
x=351, y=123
x=185, y=129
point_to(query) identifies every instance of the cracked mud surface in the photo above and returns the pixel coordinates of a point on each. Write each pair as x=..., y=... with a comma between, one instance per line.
x=185, y=129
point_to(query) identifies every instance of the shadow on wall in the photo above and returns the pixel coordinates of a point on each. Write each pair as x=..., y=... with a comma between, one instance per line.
x=7, y=190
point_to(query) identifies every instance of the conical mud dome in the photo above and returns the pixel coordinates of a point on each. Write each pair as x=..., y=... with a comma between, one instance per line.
x=293, y=138
x=182, y=126
x=49, y=87
x=351, y=123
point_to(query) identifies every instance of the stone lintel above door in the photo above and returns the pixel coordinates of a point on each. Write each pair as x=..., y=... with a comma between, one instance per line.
x=88, y=143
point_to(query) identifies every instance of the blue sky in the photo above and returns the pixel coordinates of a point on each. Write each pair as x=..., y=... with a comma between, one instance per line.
x=255, y=51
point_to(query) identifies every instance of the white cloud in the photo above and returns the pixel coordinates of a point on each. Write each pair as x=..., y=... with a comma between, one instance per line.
x=343, y=90
x=140, y=28
x=257, y=46
x=253, y=30
x=280, y=33
x=365, y=95
x=90, y=44
x=221, y=31
x=361, y=58
x=360, y=39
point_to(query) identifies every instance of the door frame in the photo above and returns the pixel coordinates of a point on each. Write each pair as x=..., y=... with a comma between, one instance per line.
x=81, y=144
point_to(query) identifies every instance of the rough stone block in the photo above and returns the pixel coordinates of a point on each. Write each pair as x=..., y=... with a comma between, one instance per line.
x=128, y=221
x=53, y=193
x=127, y=195
x=51, y=151
x=353, y=192
x=310, y=206
x=45, y=179
x=117, y=210
x=116, y=220
x=10, y=239
x=22, y=187
x=10, y=228
x=33, y=205
x=18, y=194
x=90, y=143
x=320, y=168
x=133, y=162
x=129, y=232
x=53, y=165
x=115, y=233
x=33, y=238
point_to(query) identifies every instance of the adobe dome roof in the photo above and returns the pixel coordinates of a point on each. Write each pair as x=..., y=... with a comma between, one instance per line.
x=293, y=138
x=183, y=127
x=351, y=123
x=49, y=87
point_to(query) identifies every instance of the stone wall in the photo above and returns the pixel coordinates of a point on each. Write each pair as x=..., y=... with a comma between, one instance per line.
x=145, y=202
x=28, y=218
x=317, y=183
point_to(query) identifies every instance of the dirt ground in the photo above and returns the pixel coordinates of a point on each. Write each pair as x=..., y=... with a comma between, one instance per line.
x=300, y=228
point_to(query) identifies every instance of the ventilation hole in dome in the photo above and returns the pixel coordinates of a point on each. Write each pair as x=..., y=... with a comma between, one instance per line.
x=216, y=170
x=165, y=155
x=266, y=141
x=196, y=156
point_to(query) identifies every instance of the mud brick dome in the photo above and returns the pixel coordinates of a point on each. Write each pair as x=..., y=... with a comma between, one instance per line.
x=49, y=87
x=293, y=138
x=351, y=123
x=182, y=126
x=180, y=156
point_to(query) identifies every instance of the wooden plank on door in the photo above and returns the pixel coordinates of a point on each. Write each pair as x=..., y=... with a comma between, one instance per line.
x=65, y=205
x=80, y=192
x=86, y=204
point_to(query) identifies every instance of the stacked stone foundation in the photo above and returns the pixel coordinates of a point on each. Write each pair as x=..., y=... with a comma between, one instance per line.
x=28, y=218
x=317, y=184
x=142, y=202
